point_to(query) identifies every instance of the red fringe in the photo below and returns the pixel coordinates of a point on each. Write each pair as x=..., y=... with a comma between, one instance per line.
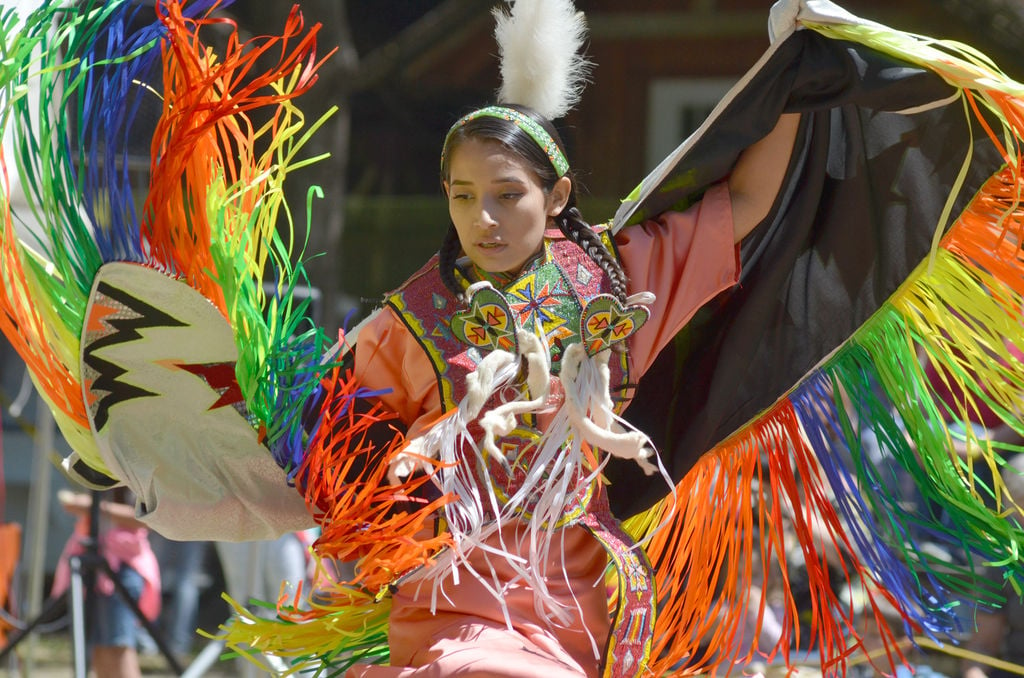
x=204, y=131
x=344, y=480
x=706, y=561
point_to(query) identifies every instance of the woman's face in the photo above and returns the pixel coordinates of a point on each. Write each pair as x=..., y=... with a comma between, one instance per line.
x=498, y=206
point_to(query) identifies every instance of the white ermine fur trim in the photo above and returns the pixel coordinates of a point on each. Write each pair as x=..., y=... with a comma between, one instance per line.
x=522, y=530
x=502, y=419
x=481, y=384
x=586, y=382
x=539, y=44
x=495, y=371
x=404, y=463
x=641, y=299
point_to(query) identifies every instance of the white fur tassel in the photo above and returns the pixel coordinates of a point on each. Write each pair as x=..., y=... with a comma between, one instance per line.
x=502, y=419
x=539, y=43
x=559, y=470
x=590, y=409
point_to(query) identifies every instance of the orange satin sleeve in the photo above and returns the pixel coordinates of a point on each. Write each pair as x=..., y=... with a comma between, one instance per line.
x=685, y=259
x=390, y=360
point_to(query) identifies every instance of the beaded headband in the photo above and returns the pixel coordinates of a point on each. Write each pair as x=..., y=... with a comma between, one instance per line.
x=523, y=122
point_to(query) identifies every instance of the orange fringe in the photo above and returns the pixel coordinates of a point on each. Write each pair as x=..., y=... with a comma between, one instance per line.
x=23, y=326
x=344, y=480
x=705, y=561
x=988, y=234
x=204, y=139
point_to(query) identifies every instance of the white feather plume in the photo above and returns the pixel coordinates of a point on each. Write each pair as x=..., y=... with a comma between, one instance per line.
x=539, y=43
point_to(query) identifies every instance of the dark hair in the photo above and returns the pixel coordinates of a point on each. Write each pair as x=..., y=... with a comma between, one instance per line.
x=570, y=221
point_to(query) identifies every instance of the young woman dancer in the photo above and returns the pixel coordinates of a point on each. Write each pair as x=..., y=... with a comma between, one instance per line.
x=518, y=235
x=462, y=445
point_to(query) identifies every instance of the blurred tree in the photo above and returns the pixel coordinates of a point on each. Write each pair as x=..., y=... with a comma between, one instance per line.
x=391, y=33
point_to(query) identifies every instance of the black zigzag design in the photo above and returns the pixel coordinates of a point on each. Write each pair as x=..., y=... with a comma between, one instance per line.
x=126, y=330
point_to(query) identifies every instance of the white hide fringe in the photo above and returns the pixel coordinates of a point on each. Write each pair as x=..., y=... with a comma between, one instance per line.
x=557, y=473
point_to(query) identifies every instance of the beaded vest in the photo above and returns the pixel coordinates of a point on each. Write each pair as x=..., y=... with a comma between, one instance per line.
x=548, y=298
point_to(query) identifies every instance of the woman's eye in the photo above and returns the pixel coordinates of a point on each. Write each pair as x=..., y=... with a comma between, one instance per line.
x=511, y=196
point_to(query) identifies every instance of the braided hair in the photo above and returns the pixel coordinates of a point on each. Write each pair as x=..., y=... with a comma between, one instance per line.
x=570, y=221
x=448, y=258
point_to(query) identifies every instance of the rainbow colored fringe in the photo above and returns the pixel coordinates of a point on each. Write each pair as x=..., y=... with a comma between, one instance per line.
x=341, y=626
x=801, y=468
x=211, y=214
x=798, y=479
x=386, y=529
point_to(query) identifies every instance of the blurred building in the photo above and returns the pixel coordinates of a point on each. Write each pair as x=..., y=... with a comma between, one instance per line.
x=660, y=67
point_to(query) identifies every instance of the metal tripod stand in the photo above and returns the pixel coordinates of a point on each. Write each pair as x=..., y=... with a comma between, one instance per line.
x=82, y=593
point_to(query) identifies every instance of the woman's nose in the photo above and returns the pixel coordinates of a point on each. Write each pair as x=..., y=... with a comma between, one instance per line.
x=484, y=218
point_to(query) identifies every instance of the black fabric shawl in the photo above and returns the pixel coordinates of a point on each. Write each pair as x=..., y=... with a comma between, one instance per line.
x=857, y=212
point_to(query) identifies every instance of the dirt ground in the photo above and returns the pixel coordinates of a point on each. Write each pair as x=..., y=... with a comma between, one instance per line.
x=52, y=657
